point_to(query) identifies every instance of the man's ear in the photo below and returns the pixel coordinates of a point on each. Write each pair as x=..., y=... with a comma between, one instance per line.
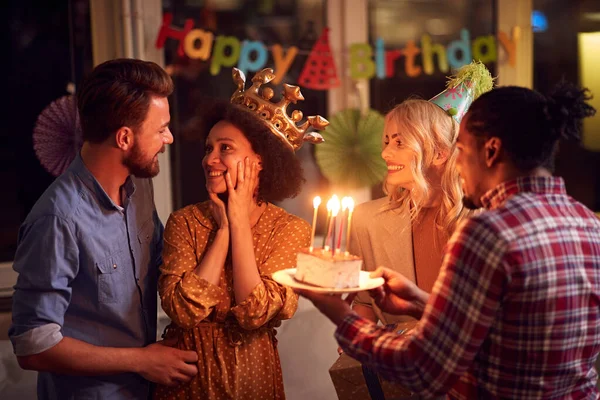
x=259, y=163
x=492, y=148
x=124, y=138
x=440, y=158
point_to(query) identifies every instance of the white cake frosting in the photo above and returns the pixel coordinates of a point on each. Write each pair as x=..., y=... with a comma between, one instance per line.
x=320, y=268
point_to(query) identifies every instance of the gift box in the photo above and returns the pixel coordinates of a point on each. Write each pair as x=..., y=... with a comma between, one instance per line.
x=352, y=381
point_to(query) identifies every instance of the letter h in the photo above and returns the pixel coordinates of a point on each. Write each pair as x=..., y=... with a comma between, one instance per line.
x=166, y=31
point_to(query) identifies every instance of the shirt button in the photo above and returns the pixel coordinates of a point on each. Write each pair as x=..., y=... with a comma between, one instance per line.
x=229, y=288
x=114, y=266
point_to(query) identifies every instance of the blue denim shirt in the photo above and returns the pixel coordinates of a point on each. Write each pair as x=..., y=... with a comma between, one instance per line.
x=88, y=270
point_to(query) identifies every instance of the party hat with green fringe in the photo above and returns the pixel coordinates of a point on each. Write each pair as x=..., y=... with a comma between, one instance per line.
x=469, y=82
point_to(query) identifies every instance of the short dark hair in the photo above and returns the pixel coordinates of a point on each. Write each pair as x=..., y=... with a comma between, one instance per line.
x=529, y=123
x=281, y=176
x=117, y=93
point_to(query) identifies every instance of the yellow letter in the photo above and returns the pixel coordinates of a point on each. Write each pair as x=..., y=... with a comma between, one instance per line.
x=510, y=45
x=189, y=44
x=282, y=62
x=428, y=50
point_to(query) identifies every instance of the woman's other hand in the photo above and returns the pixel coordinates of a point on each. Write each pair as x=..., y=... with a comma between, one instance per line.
x=241, y=196
x=218, y=211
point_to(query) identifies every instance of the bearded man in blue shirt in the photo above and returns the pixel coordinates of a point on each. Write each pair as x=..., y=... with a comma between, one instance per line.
x=84, y=307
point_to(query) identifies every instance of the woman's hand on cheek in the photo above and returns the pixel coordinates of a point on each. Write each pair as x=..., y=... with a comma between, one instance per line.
x=218, y=211
x=241, y=196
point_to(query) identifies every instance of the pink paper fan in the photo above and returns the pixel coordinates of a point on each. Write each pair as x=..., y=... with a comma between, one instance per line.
x=57, y=135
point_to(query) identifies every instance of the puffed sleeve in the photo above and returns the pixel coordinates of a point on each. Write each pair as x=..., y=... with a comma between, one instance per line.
x=186, y=298
x=272, y=300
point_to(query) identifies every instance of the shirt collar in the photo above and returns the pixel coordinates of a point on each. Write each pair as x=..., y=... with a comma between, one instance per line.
x=265, y=224
x=79, y=169
x=497, y=196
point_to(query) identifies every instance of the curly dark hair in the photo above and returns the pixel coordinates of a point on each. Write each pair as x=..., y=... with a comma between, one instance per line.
x=529, y=123
x=281, y=176
x=117, y=93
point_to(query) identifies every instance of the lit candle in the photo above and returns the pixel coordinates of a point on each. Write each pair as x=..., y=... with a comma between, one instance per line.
x=316, y=204
x=327, y=225
x=335, y=209
x=350, y=206
x=344, y=208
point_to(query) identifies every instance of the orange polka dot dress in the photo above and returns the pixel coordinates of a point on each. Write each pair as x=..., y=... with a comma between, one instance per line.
x=236, y=345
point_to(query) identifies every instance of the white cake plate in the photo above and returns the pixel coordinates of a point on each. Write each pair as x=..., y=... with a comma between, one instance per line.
x=286, y=277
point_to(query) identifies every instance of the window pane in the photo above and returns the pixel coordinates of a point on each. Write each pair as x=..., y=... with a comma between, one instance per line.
x=561, y=49
x=197, y=81
x=423, y=40
x=49, y=47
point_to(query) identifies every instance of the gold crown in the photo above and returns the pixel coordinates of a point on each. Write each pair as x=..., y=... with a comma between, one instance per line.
x=275, y=114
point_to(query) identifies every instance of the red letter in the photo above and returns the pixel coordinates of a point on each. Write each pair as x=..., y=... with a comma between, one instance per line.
x=167, y=32
x=390, y=57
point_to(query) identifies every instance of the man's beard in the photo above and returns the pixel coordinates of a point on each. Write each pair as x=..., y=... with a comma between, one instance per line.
x=139, y=166
x=469, y=203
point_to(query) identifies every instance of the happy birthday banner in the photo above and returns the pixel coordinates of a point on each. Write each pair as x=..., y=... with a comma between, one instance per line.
x=319, y=71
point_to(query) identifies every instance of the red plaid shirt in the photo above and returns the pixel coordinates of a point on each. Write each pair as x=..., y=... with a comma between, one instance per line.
x=515, y=311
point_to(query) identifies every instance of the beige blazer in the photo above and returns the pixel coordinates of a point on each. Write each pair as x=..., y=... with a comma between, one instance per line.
x=382, y=238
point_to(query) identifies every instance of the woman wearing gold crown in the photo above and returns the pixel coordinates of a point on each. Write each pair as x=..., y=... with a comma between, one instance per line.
x=408, y=229
x=218, y=255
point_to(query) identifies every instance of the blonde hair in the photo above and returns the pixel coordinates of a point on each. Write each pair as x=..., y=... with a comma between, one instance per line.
x=427, y=130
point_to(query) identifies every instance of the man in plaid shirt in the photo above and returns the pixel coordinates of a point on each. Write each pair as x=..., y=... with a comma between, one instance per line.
x=515, y=311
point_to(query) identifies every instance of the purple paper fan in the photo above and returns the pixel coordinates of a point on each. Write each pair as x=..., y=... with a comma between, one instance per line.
x=57, y=135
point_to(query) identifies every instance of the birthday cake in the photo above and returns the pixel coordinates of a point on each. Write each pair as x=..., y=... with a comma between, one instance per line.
x=321, y=268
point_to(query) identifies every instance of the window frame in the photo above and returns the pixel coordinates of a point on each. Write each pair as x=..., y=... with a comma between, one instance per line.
x=128, y=28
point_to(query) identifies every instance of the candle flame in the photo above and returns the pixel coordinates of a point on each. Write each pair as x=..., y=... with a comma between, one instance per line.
x=346, y=203
x=317, y=202
x=335, y=205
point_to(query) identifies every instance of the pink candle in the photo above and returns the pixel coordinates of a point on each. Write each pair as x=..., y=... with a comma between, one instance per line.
x=335, y=209
x=339, y=241
x=345, y=205
x=327, y=227
x=350, y=206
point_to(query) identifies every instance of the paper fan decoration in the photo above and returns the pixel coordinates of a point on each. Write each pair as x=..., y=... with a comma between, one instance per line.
x=57, y=135
x=350, y=157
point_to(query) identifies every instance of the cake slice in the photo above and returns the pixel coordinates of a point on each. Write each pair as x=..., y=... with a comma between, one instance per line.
x=321, y=268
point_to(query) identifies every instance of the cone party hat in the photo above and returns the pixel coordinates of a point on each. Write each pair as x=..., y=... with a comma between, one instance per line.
x=470, y=82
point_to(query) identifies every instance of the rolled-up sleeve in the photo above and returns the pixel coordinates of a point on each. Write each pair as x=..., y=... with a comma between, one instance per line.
x=270, y=300
x=186, y=298
x=47, y=261
x=455, y=322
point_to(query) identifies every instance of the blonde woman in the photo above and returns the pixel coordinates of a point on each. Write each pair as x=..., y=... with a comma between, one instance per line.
x=408, y=229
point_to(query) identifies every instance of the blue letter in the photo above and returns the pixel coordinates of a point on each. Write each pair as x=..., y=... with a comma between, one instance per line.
x=464, y=46
x=380, y=58
x=245, y=63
